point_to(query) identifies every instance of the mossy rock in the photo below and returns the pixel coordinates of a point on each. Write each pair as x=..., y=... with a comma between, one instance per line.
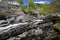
x=57, y=26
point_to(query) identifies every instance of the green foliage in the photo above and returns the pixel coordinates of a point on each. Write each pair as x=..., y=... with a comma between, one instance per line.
x=43, y=8
x=22, y=6
x=57, y=26
x=31, y=6
x=53, y=7
x=46, y=8
x=20, y=1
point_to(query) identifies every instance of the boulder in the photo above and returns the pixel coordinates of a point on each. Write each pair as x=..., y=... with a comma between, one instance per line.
x=10, y=20
x=3, y=23
x=21, y=17
x=32, y=32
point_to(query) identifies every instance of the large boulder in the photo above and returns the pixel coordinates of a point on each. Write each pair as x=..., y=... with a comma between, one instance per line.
x=7, y=8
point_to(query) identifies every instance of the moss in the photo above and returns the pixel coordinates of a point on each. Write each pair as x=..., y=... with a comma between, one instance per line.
x=57, y=26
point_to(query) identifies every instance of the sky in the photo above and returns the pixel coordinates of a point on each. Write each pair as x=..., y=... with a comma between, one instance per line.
x=26, y=1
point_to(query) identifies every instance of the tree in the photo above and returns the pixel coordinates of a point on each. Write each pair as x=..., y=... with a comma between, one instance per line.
x=53, y=7
x=31, y=7
x=43, y=8
x=20, y=1
x=56, y=4
x=31, y=4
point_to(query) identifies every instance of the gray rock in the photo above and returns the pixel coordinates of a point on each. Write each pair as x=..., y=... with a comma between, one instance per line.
x=42, y=16
x=37, y=21
x=3, y=23
x=11, y=30
x=10, y=20
x=28, y=33
x=20, y=18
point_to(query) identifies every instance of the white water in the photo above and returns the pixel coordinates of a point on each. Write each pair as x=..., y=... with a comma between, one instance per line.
x=15, y=25
x=11, y=26
x=38, y=20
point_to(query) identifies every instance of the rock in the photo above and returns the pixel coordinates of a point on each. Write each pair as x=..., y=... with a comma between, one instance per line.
x=10, y=20
x=47, y=35
x=14, y=3
x=2, y=17
x=22, y=27
x=35, y=32
x=21, y=18
x=29, y=33
x=7, y=8
x=18, y=29
x=41, y=24
x=53, y=18
x=42, y=16
x=37, y=21
x=11, y=30
x=4, y=7
x=3, y=23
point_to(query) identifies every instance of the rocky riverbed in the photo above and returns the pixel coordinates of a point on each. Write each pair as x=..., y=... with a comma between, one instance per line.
x=16, y=25
x=22, y=27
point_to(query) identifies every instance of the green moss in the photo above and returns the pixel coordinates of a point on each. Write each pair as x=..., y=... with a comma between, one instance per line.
x=57, y=26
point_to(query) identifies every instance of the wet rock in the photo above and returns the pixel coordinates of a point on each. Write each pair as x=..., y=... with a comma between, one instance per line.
x=42, y=16
x=21, y=18
x=11, y=30
x=10, y=20
x=29, y=33
x=47, y=35
x=35, y=29
x=3, y=23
